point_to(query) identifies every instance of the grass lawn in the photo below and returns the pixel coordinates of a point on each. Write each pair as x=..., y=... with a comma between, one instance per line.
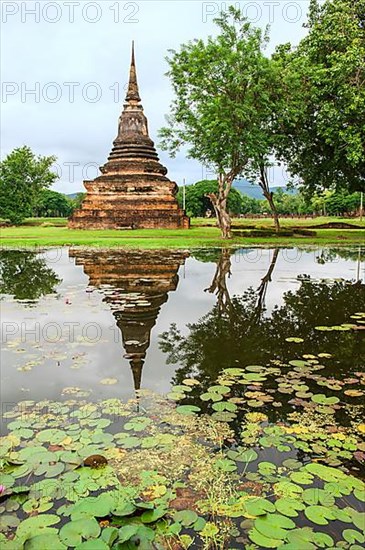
x=53, y=232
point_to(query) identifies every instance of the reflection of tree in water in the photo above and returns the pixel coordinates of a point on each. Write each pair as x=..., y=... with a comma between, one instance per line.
x=262, y=289
x=354, y=254
x=25, y=275
x=244, y=336
x=219, y=282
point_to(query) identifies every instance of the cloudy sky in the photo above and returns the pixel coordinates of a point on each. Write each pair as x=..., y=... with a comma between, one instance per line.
x=64, y=67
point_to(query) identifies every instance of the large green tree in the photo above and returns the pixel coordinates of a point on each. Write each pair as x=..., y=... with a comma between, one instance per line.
x=321, y=133
x=23, y=175
x=223, y=105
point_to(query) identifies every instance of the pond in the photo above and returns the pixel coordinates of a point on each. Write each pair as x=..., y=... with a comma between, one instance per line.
x=221, y=392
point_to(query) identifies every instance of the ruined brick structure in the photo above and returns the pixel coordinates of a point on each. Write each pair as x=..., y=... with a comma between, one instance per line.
x=133, y=190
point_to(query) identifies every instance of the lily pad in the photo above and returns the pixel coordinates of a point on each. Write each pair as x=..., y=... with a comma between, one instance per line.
x=33, y=526
x=320, y=515
x=243, y=455
x=289, y=506
x=187, y=409
x=73, y=532
x=274, y=525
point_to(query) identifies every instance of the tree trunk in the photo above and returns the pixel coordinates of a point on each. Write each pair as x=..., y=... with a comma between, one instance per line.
x=274, y=211
x=219, y=202
x=264, y=184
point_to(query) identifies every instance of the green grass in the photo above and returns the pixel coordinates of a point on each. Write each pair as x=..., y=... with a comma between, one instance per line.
x=53, y=232
x=284, y=222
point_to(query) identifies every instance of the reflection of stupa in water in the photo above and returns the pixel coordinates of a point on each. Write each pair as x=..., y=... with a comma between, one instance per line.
x=135, y=285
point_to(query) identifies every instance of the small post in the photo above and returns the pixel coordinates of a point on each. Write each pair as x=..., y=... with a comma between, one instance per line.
x=184, y=194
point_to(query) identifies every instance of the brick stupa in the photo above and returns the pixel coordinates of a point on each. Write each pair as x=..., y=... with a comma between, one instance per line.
x=133, y=190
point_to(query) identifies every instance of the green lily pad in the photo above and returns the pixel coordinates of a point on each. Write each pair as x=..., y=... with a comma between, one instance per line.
x=321, y=399
x=127, y=532
x=224, y=406
x=262, y=541
x=153, y=515
x=37, y=525
x=243, y=455
x=302, y=477
x=93, y=544
x=301, y=538
x=138, y=424
x=51, y=435
x=187, y=409
x=289, y=506
x=323, y=540
x=274, y=525
x=73, y=532
x=211, y=396
x=225, y=464
x=8, y=521
x=258, y=506
x=45, y=542
x=219, y=389
x=321, y=515
x=315, y=496
x=186, y=517
x=326, y=473
x=352, y=537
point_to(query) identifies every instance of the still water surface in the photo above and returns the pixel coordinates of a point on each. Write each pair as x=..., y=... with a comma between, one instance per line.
x=75, y=317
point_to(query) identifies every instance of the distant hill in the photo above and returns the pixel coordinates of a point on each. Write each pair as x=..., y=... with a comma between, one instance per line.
x=254, y=191
x=74, y=195
x=247, y=188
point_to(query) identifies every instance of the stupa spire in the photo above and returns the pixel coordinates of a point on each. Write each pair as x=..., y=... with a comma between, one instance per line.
x=133, y=92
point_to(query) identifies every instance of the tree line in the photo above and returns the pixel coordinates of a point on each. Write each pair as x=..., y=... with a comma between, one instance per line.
x=326, y=203
x=25, y=180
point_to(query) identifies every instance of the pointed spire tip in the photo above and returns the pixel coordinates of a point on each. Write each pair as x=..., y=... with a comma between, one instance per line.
x=133, y=61
x=132, y=93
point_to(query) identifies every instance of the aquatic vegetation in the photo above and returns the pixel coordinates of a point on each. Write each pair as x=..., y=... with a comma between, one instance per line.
x=104, y=475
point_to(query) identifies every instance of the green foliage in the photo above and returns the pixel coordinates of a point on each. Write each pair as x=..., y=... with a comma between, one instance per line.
x=198, y=204
x=25, y=275
x=322, y=131
x=250, y=205
x=53, y=204
x=22, y=178
x=290, y=203
x=76, y=201
x=335, y=203
x=215, y=107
